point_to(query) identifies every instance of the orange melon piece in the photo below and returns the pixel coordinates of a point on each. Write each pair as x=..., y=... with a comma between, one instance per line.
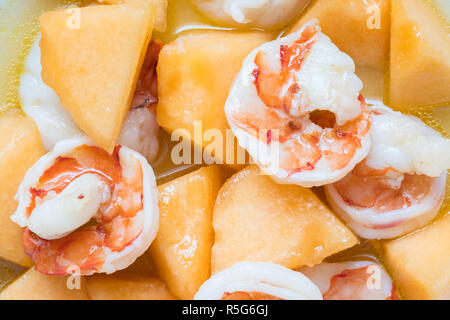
x=116, y=287
x=161, y=11
x=33, y=285
x=20, y=148
x=137, y=282
x=195, y=73
x=420, y=56
x=420, y=262
x=182, y=249
x=256, y=219
x=94, y=66
x=357, y=27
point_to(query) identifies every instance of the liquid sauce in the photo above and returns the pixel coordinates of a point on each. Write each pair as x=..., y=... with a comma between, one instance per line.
x=18, y=28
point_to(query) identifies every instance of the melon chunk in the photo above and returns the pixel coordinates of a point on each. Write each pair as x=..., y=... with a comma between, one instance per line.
x=93, y=66
x=33, y=285
x=161, y=11
x=117, y=287
x=420, y=56
x=360, y=28
x=20, y=148
x=256, y=219
x=420, y=262
x=182, y=249
x=195, y=73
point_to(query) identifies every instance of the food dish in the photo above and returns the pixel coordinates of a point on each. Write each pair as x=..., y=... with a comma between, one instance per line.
x=226, y=150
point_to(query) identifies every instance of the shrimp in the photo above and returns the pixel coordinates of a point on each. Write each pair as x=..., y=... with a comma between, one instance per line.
x=140, y=129
x=255, y=13
x=296, y=107
x=87, y=211
x=258, y=281
x=400, y=186
x=352, y=280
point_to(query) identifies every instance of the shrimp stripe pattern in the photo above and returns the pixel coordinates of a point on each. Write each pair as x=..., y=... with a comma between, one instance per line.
x=312, y=137
x=113, y=229
x=87, y=210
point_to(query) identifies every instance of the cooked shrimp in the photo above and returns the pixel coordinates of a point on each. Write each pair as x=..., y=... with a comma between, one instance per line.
x=400, y=186
x=140, y=129
x=84, y=209
x=258, y=281
x=255, y=13
x=296, y=107
x=353, y=280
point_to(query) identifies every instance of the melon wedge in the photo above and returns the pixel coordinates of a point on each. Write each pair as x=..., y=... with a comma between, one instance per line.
x=420, y=56
x=256, y=219
x=94, y=66
x=182, y=249
x=20, y=148
x=360, y=28
x=195, y=73
x=420, y=262
x=33, y=285
x=117, y=287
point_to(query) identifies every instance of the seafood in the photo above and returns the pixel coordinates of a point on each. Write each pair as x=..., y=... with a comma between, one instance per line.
x=258, y=281
x=259, y=13
x=86, y=210
x=296, y=107
x=140, y=129
x=352, y=280
x=400, y=186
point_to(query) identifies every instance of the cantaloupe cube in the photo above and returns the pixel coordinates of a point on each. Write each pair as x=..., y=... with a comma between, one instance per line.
x=420, y=262
x=195, y=73
x=420, y=56
x=114, y=287
x=20, y=148
x=256, y=219
x=33, y=285
x=93, y=66
x=182, y=249
x=360, y=28
x=161, y=11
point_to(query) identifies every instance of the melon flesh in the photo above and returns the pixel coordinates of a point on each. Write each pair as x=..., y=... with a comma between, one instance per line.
x=182, y=249
x=114, y=287
x=420, y=262
x=94, y=68
x=347, y=23
x=420, y=56
x=20, y=148
x=195, y=73
x=33, y=285
x=256, y=219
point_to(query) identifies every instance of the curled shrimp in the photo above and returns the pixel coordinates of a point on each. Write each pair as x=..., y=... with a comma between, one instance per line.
x=400, y=186
x=87, y=211
x=352, y=280
x=258, y=281
x=300, y=93
x=255, y=13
